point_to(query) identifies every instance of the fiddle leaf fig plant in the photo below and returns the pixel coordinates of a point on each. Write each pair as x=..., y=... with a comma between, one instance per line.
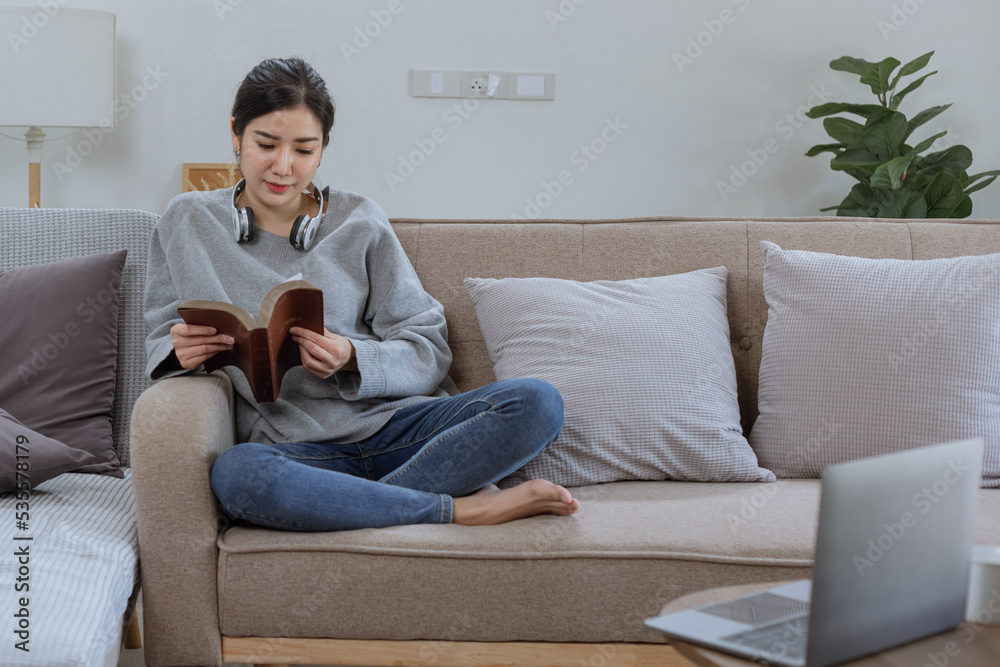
x=895, y=179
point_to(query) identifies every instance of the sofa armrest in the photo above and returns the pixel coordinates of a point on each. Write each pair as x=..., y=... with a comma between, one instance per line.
x=179, y=427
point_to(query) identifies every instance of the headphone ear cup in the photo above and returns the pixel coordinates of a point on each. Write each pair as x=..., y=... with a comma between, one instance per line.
x=294, y=237
x=251, y=228
x=310, y=227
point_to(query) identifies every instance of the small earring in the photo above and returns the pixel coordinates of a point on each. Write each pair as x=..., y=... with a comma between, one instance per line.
x=237, y=154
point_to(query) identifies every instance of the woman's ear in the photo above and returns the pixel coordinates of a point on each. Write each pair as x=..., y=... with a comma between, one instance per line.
x=236, y=140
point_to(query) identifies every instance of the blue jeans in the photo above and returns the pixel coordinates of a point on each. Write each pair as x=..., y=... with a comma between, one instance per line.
x=405, y=473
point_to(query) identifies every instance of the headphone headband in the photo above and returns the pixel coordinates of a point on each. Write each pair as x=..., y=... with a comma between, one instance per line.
x=304, y=228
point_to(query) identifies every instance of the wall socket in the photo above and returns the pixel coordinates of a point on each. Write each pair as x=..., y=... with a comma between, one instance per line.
x=476, y=84
x=511, y=85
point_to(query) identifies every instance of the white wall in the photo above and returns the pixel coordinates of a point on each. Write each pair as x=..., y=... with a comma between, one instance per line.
x=682, y=129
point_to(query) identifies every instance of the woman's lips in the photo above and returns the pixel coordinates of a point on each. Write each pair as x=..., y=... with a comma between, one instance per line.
x=277, y=188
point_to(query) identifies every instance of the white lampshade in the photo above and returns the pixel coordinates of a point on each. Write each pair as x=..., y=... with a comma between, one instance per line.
x=57, y=67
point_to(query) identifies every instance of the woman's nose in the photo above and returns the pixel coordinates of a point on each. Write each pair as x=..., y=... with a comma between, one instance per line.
x=282, y=162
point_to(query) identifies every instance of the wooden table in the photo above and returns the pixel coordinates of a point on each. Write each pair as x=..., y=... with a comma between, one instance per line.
x=969, y=644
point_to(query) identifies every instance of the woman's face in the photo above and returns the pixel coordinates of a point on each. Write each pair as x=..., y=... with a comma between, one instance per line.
x=279, y=154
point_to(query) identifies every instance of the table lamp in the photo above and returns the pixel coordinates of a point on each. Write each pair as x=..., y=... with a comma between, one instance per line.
x=57, y=69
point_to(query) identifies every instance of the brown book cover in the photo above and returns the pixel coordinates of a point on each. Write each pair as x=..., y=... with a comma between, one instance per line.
x=263, y=350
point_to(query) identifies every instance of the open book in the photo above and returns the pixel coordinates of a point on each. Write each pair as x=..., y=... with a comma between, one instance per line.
x=264, y=349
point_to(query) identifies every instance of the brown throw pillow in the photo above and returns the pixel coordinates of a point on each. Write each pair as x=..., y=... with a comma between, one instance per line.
x=34, y=456
x=58, y=349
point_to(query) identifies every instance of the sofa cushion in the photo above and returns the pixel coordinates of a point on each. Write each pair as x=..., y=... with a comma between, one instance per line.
x=870, y=356
x=58, y=353
x=33, y=455
x=592, y=576
x=84, y=566
x=644, y=367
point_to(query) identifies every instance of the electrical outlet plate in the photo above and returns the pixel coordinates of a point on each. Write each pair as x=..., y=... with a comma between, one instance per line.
x=475, y=83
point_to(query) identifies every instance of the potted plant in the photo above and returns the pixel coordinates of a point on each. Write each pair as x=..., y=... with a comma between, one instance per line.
x=895, y=180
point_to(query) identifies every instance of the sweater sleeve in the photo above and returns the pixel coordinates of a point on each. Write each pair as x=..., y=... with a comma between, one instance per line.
x=161, y=301
x=409, y=353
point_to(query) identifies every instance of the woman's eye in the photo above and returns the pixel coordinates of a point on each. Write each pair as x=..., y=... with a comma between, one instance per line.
x=265, y=147
x=305, y=151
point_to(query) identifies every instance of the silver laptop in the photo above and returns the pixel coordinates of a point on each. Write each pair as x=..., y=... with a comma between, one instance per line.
x=893, y=550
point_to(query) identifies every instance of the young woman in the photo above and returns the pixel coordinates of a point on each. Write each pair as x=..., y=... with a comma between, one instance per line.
x=368, y=432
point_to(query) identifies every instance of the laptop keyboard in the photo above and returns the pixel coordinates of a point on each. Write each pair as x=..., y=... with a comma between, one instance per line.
x=758, y=609
x=786, y=639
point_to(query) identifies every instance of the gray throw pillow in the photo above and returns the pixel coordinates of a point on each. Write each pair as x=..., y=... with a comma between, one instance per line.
x=863, y=357
x=58, y=349
x=34, y=456
x=644, y=368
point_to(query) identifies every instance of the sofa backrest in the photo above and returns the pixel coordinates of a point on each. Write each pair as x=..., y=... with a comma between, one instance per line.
x=446, y=252
x=39, y=236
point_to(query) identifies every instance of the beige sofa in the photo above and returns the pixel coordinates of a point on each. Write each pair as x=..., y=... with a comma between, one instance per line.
x=546, y=590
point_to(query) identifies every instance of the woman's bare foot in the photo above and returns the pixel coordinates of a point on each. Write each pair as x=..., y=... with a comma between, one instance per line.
x=490, y=505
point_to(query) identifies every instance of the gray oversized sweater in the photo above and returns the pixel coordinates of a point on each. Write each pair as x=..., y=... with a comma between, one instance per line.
x=371, y=295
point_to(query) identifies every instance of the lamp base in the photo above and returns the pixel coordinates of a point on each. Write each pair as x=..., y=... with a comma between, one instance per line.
x=34, y=138
x=34, y=185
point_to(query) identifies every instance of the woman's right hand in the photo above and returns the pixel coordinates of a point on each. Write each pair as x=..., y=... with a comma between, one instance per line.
x=193, y=344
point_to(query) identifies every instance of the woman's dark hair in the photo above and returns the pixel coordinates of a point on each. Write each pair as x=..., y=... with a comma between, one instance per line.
x=277, y=84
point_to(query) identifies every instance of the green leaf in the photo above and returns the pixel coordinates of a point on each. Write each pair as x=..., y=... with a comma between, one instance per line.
x=967, y=180
x=823, y=148
x=911, y=67
x=902, y=204
x=830, y=108
x=843, y=130
x=860, y=175
x=889, y=175
x=926, y=143
x=861, y=202
x=849, y=64
x=943, y=195
x=982, y=184
x=964, y=210
x=883, y=133
x=877, y=75
x=898, y=97
x=952, y=160
x=855, y=158
x=925, y=116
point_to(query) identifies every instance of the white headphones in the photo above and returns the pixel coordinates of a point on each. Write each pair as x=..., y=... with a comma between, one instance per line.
x=303, y=229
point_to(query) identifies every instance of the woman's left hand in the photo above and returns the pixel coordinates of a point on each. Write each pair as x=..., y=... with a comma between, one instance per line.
x=324, y=355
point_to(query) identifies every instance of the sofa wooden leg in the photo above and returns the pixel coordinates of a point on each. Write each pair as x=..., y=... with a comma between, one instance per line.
x=133, y=636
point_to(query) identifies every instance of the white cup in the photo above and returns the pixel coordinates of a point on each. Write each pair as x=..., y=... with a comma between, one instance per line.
x=983, y=604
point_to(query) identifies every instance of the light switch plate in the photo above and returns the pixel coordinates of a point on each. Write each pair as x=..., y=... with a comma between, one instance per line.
x=531, y=86
x=434, y=83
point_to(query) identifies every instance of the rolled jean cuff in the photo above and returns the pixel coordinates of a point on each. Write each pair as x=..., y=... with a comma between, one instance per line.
x=447, y=508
